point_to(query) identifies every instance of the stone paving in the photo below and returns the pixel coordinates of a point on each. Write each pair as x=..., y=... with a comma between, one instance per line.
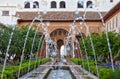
x=41, y=71
x=38, y=73
x=81, y=73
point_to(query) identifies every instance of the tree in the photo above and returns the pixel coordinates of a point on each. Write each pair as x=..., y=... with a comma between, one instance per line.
x=101, y=46
x=17, y=42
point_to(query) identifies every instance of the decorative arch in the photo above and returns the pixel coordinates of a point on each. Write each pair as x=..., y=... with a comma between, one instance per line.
x=80, y=4
x=53, y=4
x=59, y=27
x=26, y=4
x=62, y=4
x=89, y=4
x=35, y=4
x=59, y=36
x=58, y=32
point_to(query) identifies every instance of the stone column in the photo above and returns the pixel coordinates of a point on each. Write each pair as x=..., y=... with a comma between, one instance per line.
x=46, y=40
x=72, y=40
x=46, y=50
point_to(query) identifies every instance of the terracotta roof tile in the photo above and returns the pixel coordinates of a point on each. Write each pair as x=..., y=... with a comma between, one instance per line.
x=112, y=11
x=59, y=16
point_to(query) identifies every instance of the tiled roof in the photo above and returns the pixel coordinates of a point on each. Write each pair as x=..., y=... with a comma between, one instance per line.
x=112, y=11
x=58, y=16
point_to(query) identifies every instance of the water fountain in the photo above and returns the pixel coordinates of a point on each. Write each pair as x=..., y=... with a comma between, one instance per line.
x=59, y=70
x=9, y=43
x=92, y=45
x=11, y=35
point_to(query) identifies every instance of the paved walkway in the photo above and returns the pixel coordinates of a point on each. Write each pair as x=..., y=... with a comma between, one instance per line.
x=38, y=73
x=42, y=70
x=81, y=73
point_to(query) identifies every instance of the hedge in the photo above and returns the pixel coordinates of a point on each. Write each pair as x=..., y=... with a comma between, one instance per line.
x=104, y=73
x=11, y=72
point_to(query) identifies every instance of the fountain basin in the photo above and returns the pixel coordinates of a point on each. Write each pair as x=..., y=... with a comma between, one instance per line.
x=60, y=73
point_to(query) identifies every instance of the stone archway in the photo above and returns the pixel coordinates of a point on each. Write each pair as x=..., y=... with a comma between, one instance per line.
x=59, y=37
x=59, y=34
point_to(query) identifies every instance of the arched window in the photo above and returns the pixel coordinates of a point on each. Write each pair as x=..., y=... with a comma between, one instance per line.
x=80, y=4
x=53, y=4
x=89, y=4
x=111, y=0
x=62, y=4
x=35, y=4
x=60, y=32
x=27, y=4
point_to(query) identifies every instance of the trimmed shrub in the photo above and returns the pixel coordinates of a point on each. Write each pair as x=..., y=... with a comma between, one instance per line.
x=114, y=75
x=12, y=71
x=104, y=73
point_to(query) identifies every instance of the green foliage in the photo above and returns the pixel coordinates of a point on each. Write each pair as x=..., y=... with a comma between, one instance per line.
x=12, y=71
x=4, y=76
x=115, y=75
x=17, y=42
x=101, y=46
x=103, y=72
x=16, y=48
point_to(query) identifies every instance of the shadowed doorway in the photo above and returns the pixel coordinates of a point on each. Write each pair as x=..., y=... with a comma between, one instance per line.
x=59, y=44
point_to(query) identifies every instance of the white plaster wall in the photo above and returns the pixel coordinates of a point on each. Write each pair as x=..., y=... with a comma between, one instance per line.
x=71, y=5
x=114, y=27
x=44, y=5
